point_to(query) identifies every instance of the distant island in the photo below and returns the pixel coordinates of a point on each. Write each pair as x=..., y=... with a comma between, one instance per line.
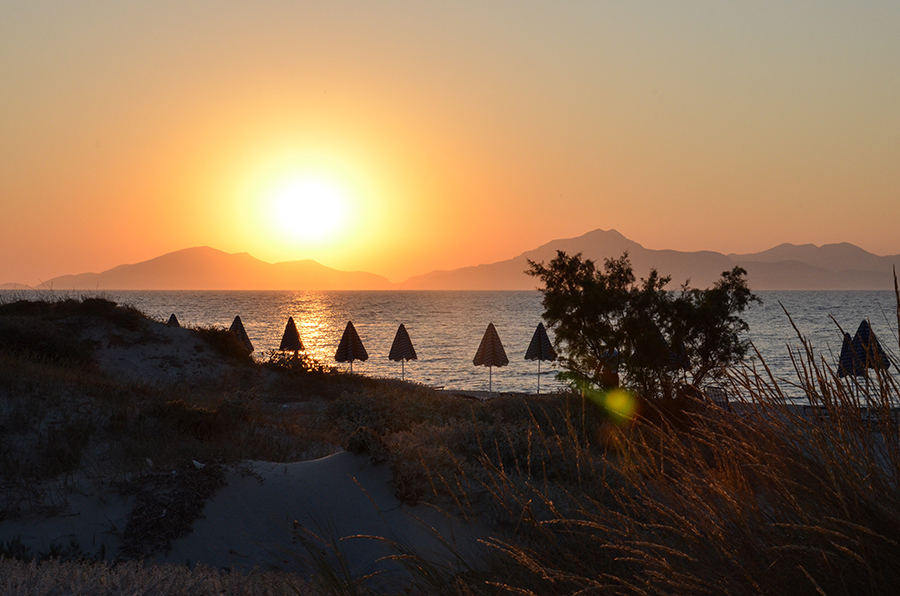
x=786, y=267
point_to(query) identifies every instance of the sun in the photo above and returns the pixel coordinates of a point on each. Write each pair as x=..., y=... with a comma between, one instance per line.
x=308, y=210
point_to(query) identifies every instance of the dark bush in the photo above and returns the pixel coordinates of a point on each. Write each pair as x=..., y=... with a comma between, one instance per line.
x=200, y=423
x=39, y=340
x=365, y=440
x=63, y=447
x=224, y=343
x=294, y=363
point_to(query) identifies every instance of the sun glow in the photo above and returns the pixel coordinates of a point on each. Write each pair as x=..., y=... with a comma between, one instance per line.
x=291, y=205
x=308, y=210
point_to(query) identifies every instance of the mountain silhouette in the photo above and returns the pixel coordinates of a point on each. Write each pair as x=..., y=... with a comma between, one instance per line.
x=785, y=267
x=205, y=268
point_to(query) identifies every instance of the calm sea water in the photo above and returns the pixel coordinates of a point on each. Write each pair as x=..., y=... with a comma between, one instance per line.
x=446, y=327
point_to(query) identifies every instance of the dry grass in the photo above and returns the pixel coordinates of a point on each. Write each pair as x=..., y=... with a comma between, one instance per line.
x=772, y=498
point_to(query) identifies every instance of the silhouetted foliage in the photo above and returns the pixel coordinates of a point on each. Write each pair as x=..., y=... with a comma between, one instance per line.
x=52, y=330
x=607, y=323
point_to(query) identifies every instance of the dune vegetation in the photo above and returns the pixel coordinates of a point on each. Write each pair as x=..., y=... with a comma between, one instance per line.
x=768, y=497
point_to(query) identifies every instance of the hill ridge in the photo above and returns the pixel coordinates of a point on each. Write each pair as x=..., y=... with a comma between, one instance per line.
x=836, y=266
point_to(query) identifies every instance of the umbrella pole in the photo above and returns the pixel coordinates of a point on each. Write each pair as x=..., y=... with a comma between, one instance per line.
x=539, y=376
x=491, y=381
x=402, y=370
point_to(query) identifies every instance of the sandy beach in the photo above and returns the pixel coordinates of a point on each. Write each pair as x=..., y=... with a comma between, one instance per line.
x=256, y=520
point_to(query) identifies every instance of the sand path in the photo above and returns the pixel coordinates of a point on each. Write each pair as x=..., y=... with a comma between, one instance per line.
x=250, y=522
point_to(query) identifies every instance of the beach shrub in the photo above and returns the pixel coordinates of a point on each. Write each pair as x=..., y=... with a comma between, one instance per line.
x=42, y=341
x=299, y=363
x=224, y=343
x=606, y=323
x=365, y=440
x=386, y=407
x=200, y=423
x=52, y=330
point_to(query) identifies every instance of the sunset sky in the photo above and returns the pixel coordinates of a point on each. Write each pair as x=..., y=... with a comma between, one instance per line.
x=441, y=136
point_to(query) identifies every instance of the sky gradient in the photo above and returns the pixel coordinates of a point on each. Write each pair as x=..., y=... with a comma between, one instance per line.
x=457, y=134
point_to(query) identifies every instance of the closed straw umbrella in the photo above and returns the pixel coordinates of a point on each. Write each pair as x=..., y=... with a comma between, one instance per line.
x=237, y=327
x=402, y=350
x=866, y=345
x=849, y=362
x=861, y=353
x=290, y=340
x=539, y=349
x=490, y=354
x=351, y=347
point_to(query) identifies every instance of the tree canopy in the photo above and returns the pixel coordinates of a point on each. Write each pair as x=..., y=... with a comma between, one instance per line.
x=609, y=326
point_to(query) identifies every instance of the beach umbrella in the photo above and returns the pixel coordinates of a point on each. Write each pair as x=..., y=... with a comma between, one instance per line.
x=351, y=347
x=861, y=353
x=237, y=327
x=868, y=350
x=490, y=354
x=402, y=349
x=849, y=362
x=290, y=340
x=173, y=321
x=540, y=349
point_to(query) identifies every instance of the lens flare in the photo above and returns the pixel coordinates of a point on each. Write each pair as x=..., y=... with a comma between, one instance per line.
x=620, y=404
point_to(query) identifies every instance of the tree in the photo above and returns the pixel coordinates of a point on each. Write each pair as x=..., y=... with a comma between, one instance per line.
x=608, y=324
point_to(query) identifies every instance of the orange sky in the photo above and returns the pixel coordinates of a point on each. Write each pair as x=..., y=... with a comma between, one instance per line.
x=458, y=134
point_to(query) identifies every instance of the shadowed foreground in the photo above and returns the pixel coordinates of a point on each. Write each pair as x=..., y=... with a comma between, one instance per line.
x=684, y=498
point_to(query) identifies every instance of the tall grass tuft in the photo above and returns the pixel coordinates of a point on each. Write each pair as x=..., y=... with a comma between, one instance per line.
x=774, y=498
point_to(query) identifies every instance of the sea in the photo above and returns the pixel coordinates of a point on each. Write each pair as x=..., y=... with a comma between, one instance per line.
x=446, y=327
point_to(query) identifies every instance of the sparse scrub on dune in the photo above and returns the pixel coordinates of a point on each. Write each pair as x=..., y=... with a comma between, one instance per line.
x=66, y=426
x=166, y=505
x=224, y=343
x=434, y=444
x=224, y=429
x=295, y=363
x=52, y=389
x=300, y=377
